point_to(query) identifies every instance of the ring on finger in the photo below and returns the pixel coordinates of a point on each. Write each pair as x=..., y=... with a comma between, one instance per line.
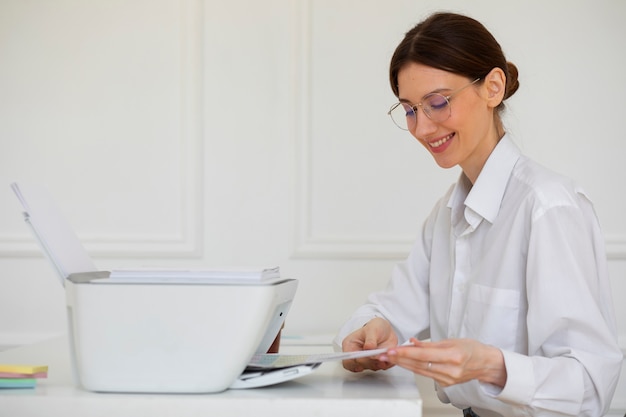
x=430, y=365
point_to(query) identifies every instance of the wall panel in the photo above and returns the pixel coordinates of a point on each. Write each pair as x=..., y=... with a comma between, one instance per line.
x=107, y=114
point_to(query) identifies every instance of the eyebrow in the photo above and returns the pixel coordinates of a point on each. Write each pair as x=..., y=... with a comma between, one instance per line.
x=435, y=91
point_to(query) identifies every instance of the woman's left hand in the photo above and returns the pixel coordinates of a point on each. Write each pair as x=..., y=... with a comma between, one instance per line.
x=451, y=361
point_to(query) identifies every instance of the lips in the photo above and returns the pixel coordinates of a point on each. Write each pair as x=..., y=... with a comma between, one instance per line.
x=440, y=142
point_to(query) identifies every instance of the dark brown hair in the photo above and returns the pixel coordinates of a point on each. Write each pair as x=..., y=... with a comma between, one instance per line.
x=453, y=43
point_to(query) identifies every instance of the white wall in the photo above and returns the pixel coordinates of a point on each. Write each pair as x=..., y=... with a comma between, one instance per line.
x=178, y=132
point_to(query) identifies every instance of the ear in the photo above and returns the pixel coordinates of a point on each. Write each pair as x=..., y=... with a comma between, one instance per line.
x=495, y=87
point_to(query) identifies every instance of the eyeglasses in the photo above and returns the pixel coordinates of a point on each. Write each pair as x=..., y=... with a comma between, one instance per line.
x=434, y=105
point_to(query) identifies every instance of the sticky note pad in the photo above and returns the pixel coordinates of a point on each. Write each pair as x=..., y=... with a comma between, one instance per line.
x=23, y=369
x=17, y=382
x=14, y=375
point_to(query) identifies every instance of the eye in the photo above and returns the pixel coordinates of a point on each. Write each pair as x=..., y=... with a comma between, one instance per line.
x=436, y=102
x=408, y=109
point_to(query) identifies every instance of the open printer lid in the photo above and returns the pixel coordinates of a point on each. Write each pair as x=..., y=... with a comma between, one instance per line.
x=71, y=261
x=53, y=233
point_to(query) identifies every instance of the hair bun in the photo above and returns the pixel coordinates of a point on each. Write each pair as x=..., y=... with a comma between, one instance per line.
x=512, y=83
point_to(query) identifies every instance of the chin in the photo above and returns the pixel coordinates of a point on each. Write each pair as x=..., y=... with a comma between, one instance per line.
x=445, y=164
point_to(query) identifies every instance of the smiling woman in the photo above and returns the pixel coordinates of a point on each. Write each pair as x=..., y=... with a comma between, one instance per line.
x=466, y=136
x=417, y=74
x=508, y=277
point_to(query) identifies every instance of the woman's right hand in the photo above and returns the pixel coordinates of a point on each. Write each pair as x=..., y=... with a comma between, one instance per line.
x=377, y=333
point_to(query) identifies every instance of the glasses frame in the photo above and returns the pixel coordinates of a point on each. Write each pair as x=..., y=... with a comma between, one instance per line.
x=428, y=109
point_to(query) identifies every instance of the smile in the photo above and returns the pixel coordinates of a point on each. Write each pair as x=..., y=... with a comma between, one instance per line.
x=441, y=141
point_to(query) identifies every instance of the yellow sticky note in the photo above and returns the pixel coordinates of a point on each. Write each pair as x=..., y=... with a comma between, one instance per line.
x=23, y=369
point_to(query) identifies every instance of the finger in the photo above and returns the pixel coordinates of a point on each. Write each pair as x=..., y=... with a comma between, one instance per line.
x=439, y=372
x=352, y=365
x=416, y=342
x=374, y=364
x=425, y=368
x=424, y=351
x=410, y=357
x=371, y=342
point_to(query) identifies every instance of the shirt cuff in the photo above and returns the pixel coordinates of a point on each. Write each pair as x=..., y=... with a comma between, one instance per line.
x=520, y=381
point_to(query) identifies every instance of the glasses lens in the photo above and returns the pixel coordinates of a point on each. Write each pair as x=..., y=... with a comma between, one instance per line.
x=437, y=107
x=403, y=116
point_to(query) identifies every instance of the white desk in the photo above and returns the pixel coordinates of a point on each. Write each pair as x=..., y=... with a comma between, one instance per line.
x=329, y=391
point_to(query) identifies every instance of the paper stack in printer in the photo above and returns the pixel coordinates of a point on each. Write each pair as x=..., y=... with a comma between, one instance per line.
x=194, y=276
x=21, y=376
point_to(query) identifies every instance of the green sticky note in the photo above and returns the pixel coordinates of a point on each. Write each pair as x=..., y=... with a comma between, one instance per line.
x=18, y=382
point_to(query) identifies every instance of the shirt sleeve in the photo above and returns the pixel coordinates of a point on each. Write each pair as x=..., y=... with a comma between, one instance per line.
x=573, y=360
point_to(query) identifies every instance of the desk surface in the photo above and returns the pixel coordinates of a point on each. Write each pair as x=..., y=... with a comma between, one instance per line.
x=329, y=391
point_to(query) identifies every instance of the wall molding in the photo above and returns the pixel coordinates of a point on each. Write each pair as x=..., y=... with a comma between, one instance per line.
x=305, y=244
x=187, y=241
x=615, y=246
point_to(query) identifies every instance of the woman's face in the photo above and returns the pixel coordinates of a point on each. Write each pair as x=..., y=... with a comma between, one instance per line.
x=469, y=135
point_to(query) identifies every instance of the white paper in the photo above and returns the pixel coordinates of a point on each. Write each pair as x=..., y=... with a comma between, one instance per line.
x=251, y=274
x=192, y=276
x=277, y=360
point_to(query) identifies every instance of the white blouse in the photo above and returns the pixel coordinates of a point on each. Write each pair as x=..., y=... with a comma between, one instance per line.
x=516, y=261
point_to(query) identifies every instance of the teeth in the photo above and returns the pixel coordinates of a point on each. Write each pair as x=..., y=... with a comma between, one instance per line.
x=441, y=141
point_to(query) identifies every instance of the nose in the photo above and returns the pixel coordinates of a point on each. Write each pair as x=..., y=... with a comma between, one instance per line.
x=424, y=126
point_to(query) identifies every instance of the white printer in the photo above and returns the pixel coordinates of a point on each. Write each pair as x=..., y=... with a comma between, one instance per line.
x=163, y=331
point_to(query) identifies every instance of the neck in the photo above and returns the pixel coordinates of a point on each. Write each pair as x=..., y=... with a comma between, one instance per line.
x=473, y=168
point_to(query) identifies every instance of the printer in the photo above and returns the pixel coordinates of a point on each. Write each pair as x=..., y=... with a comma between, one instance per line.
x=160, y=331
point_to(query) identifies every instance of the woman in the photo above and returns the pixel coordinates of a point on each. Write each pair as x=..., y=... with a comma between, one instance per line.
x=508, y=278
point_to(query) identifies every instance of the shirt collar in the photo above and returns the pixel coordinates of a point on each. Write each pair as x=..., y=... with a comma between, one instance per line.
x=485, y=196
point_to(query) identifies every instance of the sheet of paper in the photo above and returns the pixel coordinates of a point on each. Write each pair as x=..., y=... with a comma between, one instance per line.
x=277, y=360
x=192, y=276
